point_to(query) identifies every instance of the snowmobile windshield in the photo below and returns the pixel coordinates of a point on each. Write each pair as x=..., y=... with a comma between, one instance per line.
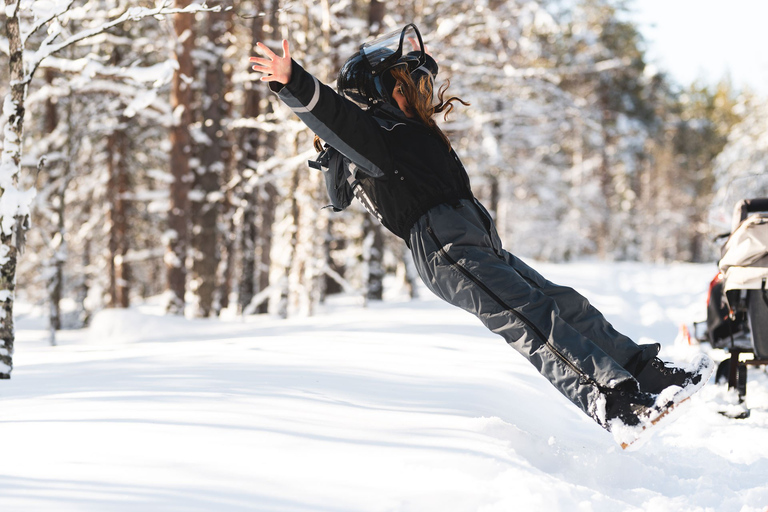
x=387, y=51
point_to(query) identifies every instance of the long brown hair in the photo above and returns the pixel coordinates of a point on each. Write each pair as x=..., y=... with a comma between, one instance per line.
x=419, y=99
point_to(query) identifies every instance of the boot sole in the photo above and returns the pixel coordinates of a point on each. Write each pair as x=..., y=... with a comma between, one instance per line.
x=641, y=438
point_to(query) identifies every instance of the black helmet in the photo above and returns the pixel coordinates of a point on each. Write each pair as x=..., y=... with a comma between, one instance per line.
x=364, y=77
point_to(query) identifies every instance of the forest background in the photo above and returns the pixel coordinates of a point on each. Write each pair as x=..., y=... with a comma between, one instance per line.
x=141, y=156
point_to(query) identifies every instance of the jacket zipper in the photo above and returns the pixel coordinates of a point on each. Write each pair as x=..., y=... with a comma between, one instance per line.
x=503, y=304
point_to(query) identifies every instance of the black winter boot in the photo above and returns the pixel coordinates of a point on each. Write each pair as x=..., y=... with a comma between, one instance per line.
x=657, y=376
x=641, y=359
x=636, y=405
x=628, y=404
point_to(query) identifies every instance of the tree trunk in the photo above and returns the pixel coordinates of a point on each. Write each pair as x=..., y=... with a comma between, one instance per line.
x=214, y=158
x=178, y=216
x=373, y=238
x=82, y=288
x=50, y=122
x=267, y=195
x=249, y=142
x=493, y=206
x=11, y=233
x=226, y=219
x=604, y=242
x=376, y=11
x=410, y=274
x=59, y=249
x=285, y=293
x=227, y=263
x=117, y=217
x=373, y=253
x=267, y=203
x=247, y=288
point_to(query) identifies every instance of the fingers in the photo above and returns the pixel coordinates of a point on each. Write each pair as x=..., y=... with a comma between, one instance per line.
x=262, y=65
x=266, y=51
x=261, y=69
x=286, y=50
x=272, y=55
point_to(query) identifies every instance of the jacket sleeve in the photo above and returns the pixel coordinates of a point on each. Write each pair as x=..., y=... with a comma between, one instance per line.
x=336, y=120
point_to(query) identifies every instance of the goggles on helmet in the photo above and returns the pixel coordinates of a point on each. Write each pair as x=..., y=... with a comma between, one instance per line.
x=386, y=51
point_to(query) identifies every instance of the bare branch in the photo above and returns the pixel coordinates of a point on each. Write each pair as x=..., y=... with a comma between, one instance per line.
x=41, y=23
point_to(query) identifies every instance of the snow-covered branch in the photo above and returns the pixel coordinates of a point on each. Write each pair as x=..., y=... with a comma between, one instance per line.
x=44, y=21
x=134, y=13
x=157, y=74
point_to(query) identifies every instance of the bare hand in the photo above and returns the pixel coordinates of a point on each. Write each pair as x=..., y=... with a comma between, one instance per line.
x=275, y=68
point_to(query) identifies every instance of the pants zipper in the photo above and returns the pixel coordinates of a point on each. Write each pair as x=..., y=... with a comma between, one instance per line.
x=583, y=376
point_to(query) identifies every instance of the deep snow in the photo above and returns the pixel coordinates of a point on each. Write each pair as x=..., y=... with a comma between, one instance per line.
x=403, y=406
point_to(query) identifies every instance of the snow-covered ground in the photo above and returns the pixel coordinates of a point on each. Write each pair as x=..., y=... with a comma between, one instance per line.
x=404, y=406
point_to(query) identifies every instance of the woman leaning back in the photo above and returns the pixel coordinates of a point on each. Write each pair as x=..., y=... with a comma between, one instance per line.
x=413, y=181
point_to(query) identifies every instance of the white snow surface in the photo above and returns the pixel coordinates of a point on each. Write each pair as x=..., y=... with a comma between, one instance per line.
x=403, y=406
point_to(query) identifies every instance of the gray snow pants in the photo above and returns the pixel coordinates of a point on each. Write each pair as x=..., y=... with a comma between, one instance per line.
x=459, y=256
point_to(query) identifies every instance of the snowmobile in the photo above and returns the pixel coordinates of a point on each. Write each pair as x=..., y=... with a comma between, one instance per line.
x=737, y=302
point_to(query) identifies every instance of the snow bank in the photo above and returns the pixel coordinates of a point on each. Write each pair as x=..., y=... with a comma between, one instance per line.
x=113, y=326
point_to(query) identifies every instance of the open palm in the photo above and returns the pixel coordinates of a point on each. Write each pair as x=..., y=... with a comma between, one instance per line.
x=274, y=67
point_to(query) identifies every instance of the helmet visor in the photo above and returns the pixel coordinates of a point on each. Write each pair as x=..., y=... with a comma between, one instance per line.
x=385, y=51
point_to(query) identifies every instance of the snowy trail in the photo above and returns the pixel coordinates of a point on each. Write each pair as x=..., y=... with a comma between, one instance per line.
x=400, y=407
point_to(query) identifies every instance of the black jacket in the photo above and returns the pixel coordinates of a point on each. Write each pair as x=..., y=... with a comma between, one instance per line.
x=404, y=167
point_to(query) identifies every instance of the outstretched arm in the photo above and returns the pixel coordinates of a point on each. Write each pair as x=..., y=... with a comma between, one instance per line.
x=341, y=123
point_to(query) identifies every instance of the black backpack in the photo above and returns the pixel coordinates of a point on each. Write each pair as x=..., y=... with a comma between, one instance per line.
x=341, y=180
